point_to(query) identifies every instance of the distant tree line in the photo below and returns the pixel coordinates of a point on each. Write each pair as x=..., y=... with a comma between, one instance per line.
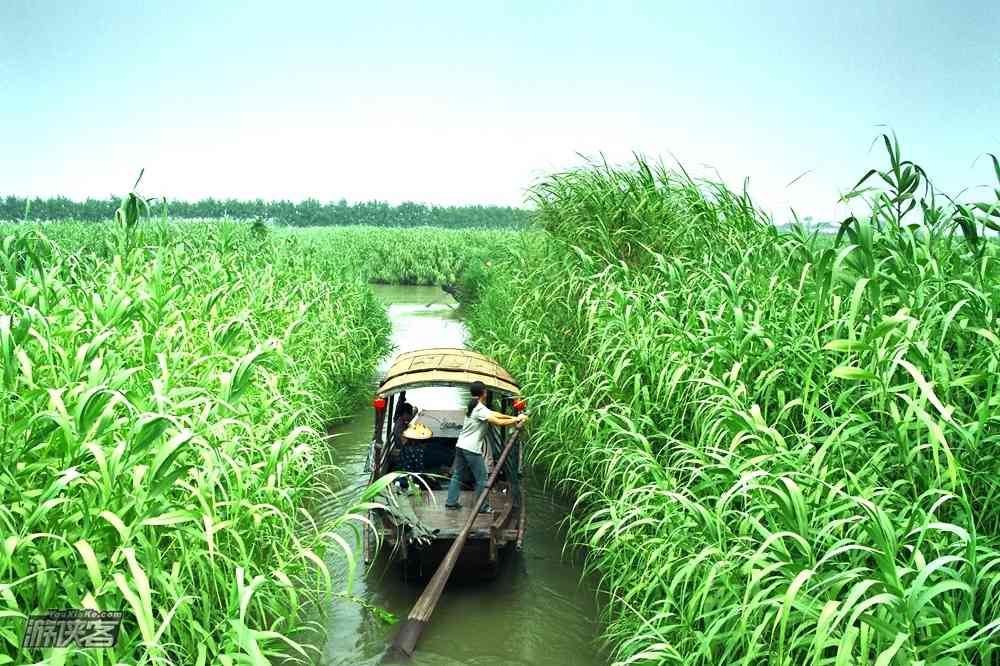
x=308, y=213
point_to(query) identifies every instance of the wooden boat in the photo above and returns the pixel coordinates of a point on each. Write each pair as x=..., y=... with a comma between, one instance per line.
x=416, y=529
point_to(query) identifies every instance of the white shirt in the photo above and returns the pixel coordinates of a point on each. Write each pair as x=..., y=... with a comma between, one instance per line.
x=474, y=429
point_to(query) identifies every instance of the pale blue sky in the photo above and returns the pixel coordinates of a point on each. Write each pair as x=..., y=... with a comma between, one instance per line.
x=471, y=102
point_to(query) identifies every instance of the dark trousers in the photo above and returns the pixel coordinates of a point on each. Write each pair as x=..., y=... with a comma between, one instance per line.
x=473, y=461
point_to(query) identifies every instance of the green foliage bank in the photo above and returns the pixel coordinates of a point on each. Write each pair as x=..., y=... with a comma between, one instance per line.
x=421, y=256
x=783, y=452
x=164, y=393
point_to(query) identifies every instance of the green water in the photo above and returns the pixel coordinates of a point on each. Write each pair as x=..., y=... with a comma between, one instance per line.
x=537, y=611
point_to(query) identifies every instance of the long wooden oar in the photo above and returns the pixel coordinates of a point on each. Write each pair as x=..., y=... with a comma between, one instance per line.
x=405, y=643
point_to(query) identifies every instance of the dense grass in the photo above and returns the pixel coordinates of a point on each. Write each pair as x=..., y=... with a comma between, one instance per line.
x=783, y=451
x=393, y=255
x=164, y=392
x=423, y=256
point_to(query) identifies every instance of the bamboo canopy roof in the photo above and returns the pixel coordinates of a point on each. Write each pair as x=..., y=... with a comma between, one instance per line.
x=445, y=366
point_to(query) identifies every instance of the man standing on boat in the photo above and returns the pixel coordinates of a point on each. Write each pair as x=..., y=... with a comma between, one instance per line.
x=471, y=442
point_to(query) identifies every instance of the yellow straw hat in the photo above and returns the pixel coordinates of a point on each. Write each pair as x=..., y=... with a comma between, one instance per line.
x=417, y=430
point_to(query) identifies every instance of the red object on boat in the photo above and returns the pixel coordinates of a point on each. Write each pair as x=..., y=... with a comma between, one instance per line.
x=379, y=403
x=520, y=404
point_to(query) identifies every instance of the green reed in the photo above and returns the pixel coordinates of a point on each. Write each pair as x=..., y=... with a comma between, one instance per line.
x=782, y=448
x=166, y=389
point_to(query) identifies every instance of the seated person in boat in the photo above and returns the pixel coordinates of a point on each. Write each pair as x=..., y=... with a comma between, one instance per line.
x=411, y=452
x=403, y=417
x=470, y=447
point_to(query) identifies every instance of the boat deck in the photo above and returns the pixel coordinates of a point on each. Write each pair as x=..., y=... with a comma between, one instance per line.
x=429, y=509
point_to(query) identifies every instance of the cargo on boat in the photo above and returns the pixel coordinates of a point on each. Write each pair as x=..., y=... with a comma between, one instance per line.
x=415, y=528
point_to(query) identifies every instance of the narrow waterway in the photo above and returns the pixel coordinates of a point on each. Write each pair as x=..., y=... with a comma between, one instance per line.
x=540, y=610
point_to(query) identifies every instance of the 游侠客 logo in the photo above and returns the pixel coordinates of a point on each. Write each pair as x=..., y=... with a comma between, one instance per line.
x=84, y=628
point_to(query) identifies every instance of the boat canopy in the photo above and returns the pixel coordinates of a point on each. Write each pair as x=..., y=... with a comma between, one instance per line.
x=445, y=366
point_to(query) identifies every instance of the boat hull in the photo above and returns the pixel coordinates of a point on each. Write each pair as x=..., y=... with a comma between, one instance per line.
x=421, y=550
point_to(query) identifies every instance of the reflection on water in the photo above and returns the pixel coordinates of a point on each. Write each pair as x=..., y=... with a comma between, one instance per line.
x=536, y=612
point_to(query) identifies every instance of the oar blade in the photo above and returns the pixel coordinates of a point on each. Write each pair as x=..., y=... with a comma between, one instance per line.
x=405, y=643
